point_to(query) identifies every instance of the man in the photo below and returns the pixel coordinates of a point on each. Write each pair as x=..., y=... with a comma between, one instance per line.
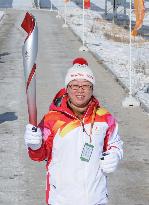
x=79, y=140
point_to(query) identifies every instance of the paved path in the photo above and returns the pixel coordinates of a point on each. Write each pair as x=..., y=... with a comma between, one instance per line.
x=23, y=181
x=17, y=4
x=1, y=15
x=6, y=3
x=22, y=4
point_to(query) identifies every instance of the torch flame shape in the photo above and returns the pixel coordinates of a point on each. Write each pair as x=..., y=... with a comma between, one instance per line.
x=29, y=52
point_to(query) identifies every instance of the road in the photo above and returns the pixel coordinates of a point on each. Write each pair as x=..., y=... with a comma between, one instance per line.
x=6, y=3
x=22, y=180
x=17, y=4
x=45, y=4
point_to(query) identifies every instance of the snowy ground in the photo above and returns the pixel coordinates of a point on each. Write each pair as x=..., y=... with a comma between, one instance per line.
x=110, y=43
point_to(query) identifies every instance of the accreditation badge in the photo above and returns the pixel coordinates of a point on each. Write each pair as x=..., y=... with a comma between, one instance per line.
x=87, y=152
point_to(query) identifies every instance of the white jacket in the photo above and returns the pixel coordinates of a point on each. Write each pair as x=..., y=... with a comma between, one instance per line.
x=71, y=181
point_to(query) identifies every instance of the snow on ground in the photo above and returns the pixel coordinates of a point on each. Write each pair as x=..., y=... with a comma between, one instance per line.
x=110, y=43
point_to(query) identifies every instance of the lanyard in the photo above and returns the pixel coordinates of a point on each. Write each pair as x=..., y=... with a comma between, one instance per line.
x=92, y=124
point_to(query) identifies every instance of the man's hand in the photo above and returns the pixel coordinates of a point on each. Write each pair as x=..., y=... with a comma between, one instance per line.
x=109, y=161
x=33, y=137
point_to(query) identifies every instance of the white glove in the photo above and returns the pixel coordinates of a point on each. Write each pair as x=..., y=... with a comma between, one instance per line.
x=109, y=161
x=33, y=138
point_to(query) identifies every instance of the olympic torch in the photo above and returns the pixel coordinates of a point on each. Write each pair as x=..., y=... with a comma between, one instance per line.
x=29, y=52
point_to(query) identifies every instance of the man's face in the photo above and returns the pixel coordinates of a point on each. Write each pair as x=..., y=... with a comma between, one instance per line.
x=80, y=92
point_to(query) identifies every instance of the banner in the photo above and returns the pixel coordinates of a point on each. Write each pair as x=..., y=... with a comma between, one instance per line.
x=139, y=11
x=87, y=4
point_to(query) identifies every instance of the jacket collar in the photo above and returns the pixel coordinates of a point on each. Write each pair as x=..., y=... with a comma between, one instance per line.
x=59, y=104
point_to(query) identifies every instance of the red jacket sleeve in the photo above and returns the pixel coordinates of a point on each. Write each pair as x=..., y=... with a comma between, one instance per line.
x=44, y=152
x=112, y=139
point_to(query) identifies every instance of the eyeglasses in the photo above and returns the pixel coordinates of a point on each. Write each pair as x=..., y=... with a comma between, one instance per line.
x=84, y=87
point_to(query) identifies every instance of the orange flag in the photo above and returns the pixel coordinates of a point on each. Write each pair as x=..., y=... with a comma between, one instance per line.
x=139, y=10
x=87, y=4
x=66, y=1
